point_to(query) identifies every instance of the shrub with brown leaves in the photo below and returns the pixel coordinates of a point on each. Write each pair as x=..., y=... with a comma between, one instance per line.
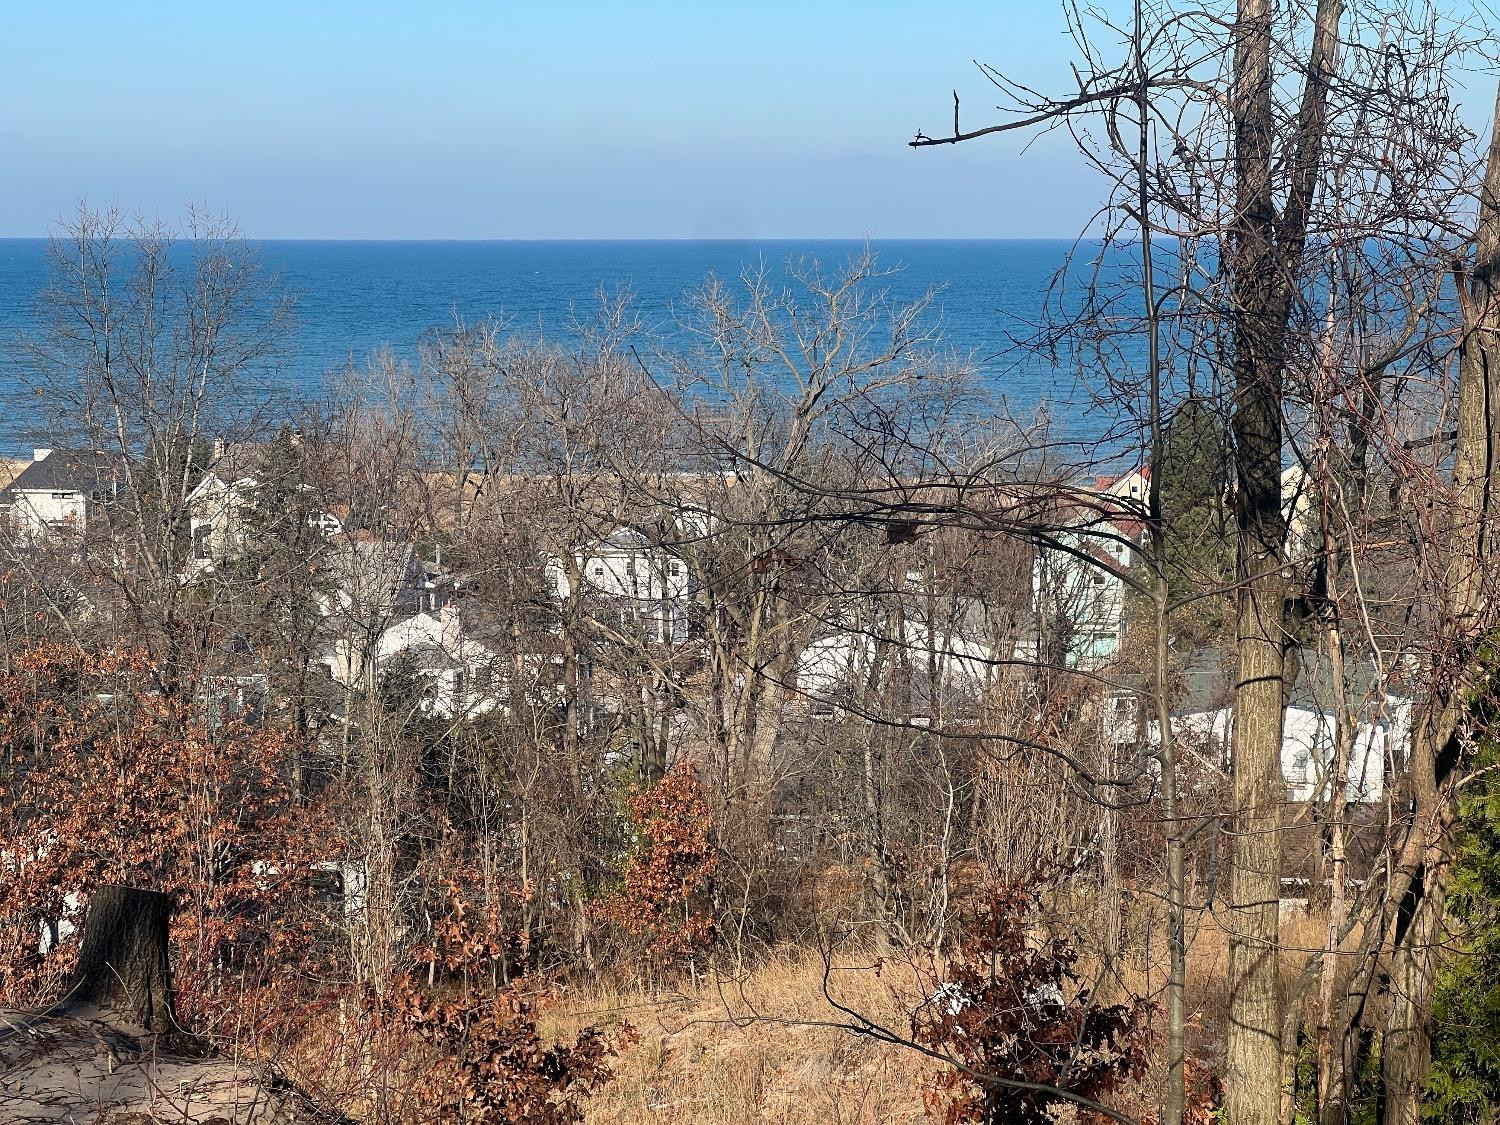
x=110, y=781
x=480, y=1019
x=669, y=869
x=1025, y=1033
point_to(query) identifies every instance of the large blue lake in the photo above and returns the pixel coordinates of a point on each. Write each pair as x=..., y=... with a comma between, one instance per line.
x=352, y=298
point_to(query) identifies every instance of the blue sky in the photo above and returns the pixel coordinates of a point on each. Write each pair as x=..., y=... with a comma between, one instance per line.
x=543, y=119
x=527, y=120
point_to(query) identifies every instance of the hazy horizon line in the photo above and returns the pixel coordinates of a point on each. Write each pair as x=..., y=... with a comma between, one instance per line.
x=627, y=238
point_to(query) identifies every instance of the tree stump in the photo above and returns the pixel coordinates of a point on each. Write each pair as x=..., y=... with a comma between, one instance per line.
x=124, y=962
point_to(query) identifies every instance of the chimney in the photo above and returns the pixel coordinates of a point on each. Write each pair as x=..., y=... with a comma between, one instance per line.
x=40, y=454
x=218, y=449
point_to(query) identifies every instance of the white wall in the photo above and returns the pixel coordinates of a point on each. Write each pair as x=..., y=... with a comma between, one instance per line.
x=842, y=660
x=648, y=581
x=40, y=511
x=1307, y=747
x=469, y=680
x=216, y=504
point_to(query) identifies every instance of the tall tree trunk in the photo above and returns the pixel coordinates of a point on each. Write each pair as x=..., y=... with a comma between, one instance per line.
x=1332, y=1059
x=1254, y=1055
x=1406, y=1048
x=1265, y=263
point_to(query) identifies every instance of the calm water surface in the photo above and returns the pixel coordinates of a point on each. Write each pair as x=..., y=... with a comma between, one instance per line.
x=353, y=298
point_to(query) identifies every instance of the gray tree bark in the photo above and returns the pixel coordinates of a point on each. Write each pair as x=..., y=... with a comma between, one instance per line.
x=124, y=963
x=1266, y=252
x=1252, y=1075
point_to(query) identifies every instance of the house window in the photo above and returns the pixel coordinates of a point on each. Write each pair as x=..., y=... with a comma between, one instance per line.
x=1301, y=759
x=482, y=681
x=62, y=496
x=458, y=687
x=674, y=569
x=630, y=565
x=598, y=572
x=200, y=541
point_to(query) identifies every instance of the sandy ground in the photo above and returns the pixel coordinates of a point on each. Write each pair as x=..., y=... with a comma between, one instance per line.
x=83, y=1066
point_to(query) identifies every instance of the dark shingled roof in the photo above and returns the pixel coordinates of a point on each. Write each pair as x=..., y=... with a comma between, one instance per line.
x=1206, y=683
x=240, y=459
x=68, y=470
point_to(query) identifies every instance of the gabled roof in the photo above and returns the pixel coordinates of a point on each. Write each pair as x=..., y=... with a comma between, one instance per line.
x=240, y=461
x=420, y=640
x=623, y=539
x=435, y=641
x=369, y=573
x=68, y=470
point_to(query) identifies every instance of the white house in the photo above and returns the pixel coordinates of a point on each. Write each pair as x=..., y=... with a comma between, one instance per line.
x=646, y=587
x=1380, y=737
x=371, y=584
x=461, y=673
x=217, y=505
x=1378, y=743
x=1299, y=509
x=954, y=658
x=1133, y=487
x=223, y=497
x=1079, y=591
x=60, y=491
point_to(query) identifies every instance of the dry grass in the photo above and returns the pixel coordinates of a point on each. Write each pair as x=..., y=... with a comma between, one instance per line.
x=10, y=470
x=751, y=1048
x=761, y=1046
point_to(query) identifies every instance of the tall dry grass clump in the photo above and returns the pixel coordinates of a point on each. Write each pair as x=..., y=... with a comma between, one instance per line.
x=757, y=1047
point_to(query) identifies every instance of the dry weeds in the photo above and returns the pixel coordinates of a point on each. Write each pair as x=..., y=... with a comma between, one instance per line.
x=757, y=1048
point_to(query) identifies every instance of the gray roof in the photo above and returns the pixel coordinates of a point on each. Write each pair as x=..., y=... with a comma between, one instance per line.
x=69, y=470
x=426, y=656
x=625, y=539
x=375, y=574
x=238, y=460
x=1206, y=682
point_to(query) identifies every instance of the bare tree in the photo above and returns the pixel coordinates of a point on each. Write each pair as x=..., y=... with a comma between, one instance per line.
x=151, y=344
x=1268, y=130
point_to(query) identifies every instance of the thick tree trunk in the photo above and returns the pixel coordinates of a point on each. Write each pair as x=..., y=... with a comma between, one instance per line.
x=1266, y=262
x=1406, y=1049
x=1254, y=1060
x=1253, y=1065
x=124, y=962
